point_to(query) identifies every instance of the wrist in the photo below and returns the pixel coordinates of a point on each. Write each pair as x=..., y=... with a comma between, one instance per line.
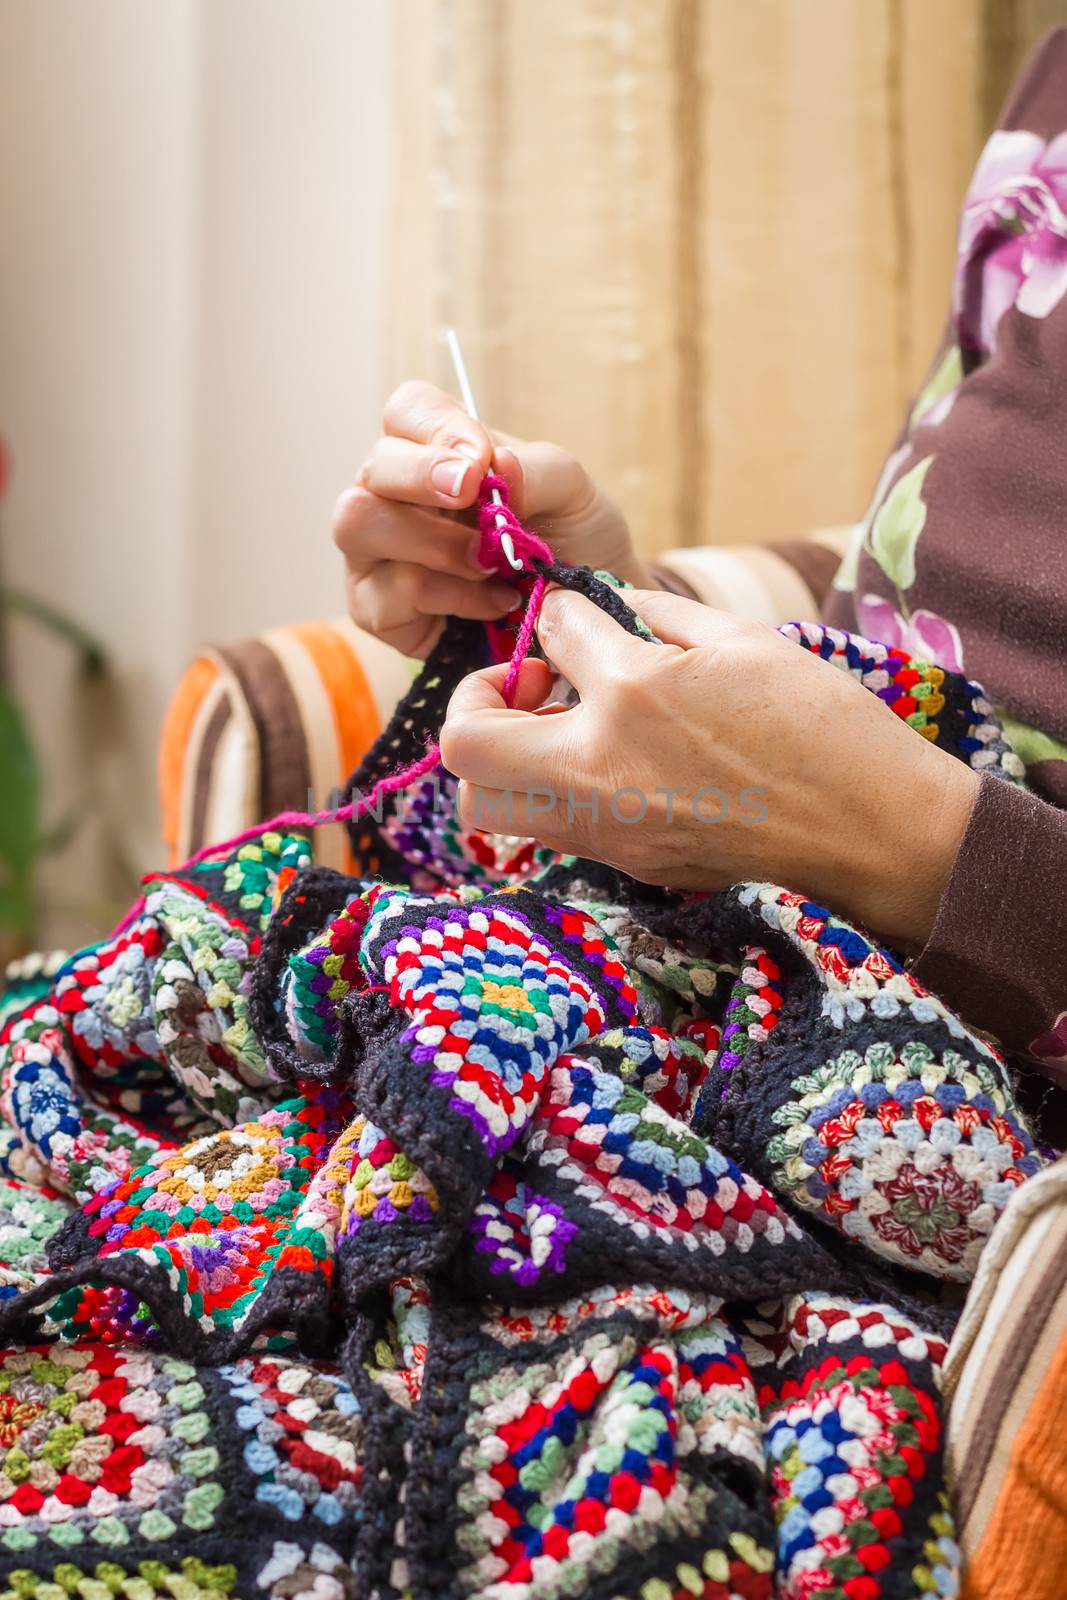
x=914, y=856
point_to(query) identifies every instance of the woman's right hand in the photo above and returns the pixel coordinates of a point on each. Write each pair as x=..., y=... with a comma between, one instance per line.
x=411, y=560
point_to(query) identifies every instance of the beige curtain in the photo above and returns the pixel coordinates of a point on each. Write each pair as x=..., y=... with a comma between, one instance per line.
x=706, y=244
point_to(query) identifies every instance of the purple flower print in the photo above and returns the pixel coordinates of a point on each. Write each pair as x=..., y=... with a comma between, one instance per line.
x=923, y=633
x=1051, y=1049
x=1012, y=248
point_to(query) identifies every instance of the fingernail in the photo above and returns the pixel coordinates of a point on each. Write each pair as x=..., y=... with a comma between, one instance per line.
x=504, y=596
x=469, y=451
x=447, y=477
x=474, y=555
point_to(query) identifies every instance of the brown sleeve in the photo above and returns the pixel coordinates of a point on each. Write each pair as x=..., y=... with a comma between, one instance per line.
x=815, y=562
x=998, y=950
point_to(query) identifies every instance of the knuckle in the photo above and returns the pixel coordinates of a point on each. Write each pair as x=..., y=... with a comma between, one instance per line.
x=350, y=516
x=457, y=737
x=465, y=800
x=563, y=461
x=459, y=432
x=551, y=616
x=364, y=607
x=408, y=583
x=572, y=483
x=617, y=690
x=406, y=398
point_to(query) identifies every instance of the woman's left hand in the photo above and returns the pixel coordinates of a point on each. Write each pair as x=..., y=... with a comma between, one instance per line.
x=723, y=753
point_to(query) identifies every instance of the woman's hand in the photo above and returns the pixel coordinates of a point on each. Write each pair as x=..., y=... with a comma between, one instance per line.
x=411, y=561
x=724, y=753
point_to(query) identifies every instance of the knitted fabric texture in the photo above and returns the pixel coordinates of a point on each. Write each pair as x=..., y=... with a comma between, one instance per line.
x=486, y=1225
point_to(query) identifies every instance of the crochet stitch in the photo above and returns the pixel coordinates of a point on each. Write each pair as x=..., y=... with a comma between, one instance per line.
x=535, y=1235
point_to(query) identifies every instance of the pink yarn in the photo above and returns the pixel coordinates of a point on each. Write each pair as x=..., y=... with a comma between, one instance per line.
x=315, y=819
x=493, y=520
x=524, y=639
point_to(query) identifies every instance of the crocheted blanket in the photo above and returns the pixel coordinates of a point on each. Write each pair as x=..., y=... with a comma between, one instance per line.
x=489, y=1225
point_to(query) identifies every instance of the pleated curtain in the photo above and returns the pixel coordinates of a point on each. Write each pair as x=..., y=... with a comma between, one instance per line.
x=705, y=244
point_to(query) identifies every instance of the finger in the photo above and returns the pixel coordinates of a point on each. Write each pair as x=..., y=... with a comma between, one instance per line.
x=368, y=529
x=484, y=690
x=396, y=592
x=422, y=474
x=587, y=646
x=558, y=820
x=688, y=623
x=422, y=412
x=498, y=747
x=542, y=479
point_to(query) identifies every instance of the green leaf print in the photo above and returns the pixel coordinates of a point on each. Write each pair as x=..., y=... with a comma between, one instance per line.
x=1029, y=743
x=948, y=376
x=847, y=573
x=897, y=527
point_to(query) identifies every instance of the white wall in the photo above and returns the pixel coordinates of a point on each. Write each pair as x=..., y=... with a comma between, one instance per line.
x=193, y=224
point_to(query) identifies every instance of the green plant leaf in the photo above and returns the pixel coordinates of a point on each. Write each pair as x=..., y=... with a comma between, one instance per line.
x=57, y=835
x=20, y=797
x=17, y=909
x=898, y=524
x=92, y=660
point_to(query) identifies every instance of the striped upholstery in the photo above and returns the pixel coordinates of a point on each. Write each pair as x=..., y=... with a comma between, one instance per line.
x=1006, y=1385
x=771, y=583
x=265, y=724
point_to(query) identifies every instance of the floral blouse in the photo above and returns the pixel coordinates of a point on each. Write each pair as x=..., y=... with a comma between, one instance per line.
x=962, y=559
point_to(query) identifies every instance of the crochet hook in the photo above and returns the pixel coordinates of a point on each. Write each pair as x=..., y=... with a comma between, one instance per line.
x=467, y=393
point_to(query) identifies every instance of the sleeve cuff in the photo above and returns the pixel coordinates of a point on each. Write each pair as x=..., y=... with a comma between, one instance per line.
x=997, y=952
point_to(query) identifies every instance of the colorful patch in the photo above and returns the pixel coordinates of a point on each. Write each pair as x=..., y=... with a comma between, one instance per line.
x=648, y=1173
x=29, y=1217
x=425, y=831
x=848, y=1445
x=213, y=1220
x=753, y=1009
x=100, y=1445
x=201, y=1009
x=301, y=1439
x=916, y=691
x=667, y=1067
x=914, y=1155
x=582, y=1462
x=257, y=874
x=524, y=1234
x=320, y=977
x=381, y=1184
x=493, y=1005
x=859, y=978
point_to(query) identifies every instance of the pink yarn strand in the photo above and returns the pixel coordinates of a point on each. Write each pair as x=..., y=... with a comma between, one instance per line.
x=524, y=640
x=494, y=519
x=317, y=819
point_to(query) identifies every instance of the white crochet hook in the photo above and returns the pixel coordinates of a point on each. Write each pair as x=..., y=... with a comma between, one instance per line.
x=467, y=394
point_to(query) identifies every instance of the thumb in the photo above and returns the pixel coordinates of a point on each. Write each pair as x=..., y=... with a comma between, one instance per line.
x=585, y=644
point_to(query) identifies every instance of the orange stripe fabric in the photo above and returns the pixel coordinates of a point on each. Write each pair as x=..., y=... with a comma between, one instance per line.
x=355, y=710
x=173, y=747
x=1022, y=1549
